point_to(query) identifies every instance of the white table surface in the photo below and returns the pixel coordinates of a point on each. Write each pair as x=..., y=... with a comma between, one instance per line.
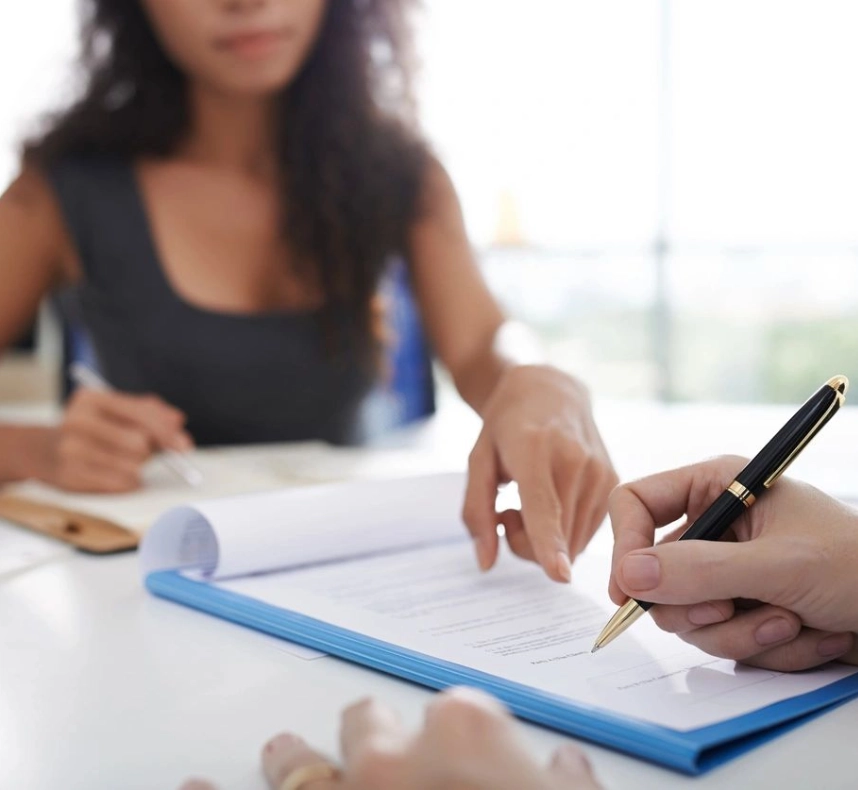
x=105, y=686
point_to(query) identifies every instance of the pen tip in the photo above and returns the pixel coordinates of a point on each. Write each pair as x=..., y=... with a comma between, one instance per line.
x=595, y=649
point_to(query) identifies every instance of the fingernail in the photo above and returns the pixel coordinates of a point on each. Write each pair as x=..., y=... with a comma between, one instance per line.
x=285, y=740
x=564, y=567
x=482, y=549
x=572, y=759
x=183, y=443
x=197, y=784
x=641, y=571
x=775, y=630
x=705, y=614
x=834, y=645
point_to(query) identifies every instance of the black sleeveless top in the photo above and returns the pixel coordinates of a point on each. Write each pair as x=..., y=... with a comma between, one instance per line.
x=238, y=377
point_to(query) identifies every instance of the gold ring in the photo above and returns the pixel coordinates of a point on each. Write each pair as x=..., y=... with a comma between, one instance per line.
x=309, y=773
x=741, y=493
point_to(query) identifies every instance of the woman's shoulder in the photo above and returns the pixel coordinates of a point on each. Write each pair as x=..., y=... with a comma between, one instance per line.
x=436, y=179
x=31, y=200
x=438, y=196
x=83, y=189
x=31, y=213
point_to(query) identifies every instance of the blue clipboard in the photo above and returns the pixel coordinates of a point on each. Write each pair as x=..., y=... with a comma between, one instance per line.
x=692, y=752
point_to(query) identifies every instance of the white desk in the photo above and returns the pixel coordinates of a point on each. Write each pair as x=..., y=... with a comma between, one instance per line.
x=104, y=686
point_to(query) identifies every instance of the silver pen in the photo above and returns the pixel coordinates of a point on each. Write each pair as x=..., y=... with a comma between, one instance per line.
x=181, y=466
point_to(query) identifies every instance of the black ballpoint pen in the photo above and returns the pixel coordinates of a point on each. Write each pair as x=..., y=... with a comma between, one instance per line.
x=758, y=476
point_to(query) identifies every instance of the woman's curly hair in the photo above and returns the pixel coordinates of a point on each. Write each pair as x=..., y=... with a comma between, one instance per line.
x=351, y=162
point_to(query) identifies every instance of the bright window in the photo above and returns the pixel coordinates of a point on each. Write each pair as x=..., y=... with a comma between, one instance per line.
x=668, y=190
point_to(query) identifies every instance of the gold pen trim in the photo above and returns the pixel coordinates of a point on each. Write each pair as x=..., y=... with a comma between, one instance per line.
x=741, y=493
x=630, y=611
x=839, y=384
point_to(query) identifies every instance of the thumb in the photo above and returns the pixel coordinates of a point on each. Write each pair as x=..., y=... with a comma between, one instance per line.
x=693, y=571
x=571, y=768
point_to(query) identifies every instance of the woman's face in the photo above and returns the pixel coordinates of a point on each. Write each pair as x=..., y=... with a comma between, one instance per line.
x=249, y=47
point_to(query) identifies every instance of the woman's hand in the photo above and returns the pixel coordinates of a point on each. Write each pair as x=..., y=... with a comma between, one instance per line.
x=780, y=592
x=468, y=742
x=538, y=431
x=105, y=439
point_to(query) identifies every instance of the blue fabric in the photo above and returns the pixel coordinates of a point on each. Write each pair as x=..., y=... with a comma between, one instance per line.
x=411, y=382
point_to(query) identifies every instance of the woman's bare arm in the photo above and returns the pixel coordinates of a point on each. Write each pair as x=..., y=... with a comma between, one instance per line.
x=461, y=316
x=34, y=258
x=105, y=438
x=538, y=429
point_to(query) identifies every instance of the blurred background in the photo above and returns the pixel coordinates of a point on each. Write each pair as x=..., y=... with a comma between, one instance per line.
x=666, y=190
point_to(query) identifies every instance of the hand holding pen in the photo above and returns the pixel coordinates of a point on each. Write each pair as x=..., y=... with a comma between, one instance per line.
x=780, y=593
x=107, y=437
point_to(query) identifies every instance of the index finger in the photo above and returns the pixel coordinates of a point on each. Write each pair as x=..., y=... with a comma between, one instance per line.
x=370, y=725
x=637, y=509
x=478, y=511
x=161, y=422
x=542, y=513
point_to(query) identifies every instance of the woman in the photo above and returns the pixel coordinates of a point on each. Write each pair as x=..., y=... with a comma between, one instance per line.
x=794, y=555
x=223, y=201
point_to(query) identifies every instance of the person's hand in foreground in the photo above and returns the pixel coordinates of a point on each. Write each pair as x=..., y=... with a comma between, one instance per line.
x=538, y=430
x=468, y=742
x=779, y=591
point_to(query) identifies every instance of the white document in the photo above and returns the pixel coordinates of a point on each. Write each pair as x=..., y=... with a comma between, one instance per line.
x=392, y=561
x=515, y=624
x=301, y=526
x=235, y=471
x=226, y=473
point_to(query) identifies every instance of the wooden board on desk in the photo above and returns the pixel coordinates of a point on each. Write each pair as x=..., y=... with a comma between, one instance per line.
x=85, y=532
